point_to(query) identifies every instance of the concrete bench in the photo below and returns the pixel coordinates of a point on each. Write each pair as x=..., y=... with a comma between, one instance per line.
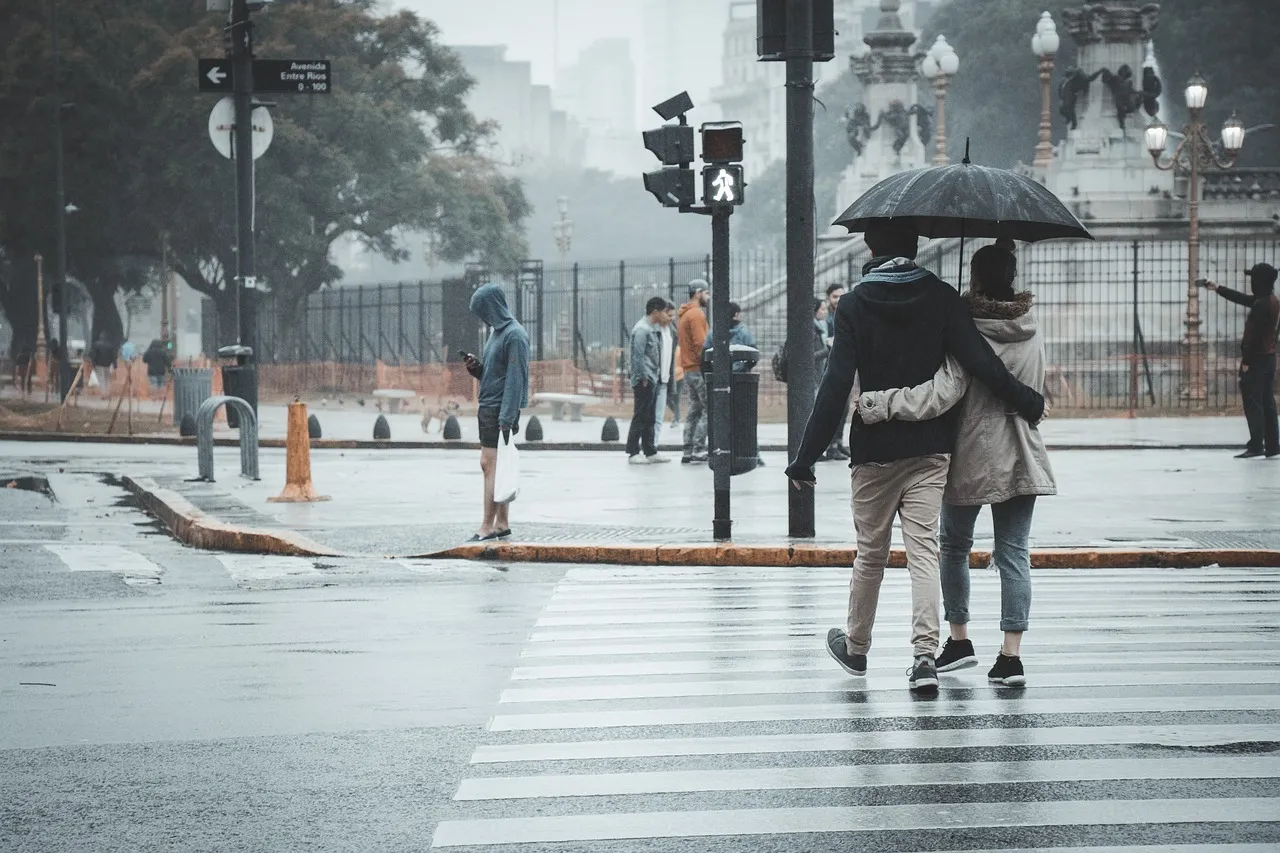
x=395, y=398
x=575, y=402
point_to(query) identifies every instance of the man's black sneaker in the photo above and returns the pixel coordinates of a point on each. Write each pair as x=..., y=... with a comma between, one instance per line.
x=956, y=654
x=839, y=651
x=924, y=675
x=1007, y=671
x=1249, y=454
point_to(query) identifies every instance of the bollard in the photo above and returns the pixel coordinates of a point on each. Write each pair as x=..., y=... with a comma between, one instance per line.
x=533, y=429
x=297, y=471
x=381, y=429
x=452, y=432
x=313, y=427
x=610, y=431
x=188, y=426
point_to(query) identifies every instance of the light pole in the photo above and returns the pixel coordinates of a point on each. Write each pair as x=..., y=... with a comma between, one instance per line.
x=939, y=65
x=1045, y=45
x=1194, y=152
x=41, y=366
x=562, y=229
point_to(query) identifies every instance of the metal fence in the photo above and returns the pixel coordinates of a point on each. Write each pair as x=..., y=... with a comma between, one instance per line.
x=1111, y=313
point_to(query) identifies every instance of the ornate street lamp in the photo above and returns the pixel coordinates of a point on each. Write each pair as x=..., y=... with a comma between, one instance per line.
x=562, y=229
x=1045, y=45
x=40, y=366
x=939, y=65
x=1195, y=152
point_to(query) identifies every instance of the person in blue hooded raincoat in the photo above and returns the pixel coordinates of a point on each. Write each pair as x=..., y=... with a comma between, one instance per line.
x=503, y=371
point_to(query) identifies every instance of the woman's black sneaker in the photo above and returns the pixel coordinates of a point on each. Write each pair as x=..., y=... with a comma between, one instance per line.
x=839, y=650
x=923, y=676
x=957, y=654
x=1007, y=671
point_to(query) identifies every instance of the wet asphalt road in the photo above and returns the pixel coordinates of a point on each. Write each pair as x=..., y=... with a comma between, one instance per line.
x=153, y=697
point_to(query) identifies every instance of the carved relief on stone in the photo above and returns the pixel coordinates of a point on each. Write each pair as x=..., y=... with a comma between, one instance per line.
x=1098, y=22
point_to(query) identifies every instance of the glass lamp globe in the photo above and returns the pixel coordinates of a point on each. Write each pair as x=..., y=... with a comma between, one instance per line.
x=1233, y=134
x=1157, y=136
x=929, y=66
x=949, y=62
x=1197, y=93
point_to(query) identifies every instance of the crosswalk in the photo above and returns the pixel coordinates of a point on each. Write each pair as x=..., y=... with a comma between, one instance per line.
x=695, y=708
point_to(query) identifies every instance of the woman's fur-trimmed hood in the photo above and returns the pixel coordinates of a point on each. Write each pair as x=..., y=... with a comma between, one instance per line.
x=1006, y=322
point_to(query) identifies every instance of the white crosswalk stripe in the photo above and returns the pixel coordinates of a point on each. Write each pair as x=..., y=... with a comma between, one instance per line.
x=666, y=703
x=134, y=568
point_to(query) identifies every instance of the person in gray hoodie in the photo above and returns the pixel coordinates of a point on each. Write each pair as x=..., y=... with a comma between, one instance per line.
x=646, y=374
x=503, y=371
x=999, y=459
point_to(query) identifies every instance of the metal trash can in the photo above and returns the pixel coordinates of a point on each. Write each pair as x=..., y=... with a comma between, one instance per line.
x=239, y=380
x=744, y=407
x=191, y=387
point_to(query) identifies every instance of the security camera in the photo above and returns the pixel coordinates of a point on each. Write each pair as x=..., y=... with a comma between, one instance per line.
x=674, y=107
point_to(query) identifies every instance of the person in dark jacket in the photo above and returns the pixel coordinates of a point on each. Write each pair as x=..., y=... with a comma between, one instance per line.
x=837, y=450
x=158, y=361
x=648, y=371
x=1258, y=359
x=503, y=371
x=894, y=330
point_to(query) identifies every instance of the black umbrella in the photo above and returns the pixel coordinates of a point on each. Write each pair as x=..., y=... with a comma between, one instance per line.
x=965, y=200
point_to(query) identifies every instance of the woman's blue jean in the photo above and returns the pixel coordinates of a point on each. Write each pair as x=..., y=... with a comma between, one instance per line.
x=1012, y=555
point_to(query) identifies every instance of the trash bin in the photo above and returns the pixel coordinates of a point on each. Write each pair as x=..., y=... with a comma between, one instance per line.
x=239, y=380
x=191, y=387
x=744, y=408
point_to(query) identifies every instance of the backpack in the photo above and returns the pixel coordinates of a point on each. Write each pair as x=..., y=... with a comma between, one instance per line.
x=780, y=364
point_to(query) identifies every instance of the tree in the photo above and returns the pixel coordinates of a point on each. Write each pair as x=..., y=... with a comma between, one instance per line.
x=393, y=149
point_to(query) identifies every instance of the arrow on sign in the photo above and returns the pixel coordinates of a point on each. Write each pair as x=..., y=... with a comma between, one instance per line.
x=216, y=75
x=723, y=185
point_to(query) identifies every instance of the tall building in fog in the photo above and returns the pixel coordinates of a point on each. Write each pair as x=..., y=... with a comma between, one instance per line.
x=599, y=92
x=682, y=50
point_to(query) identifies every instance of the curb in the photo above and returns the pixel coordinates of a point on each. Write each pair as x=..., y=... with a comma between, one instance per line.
x=576, y=446
x=197, y=529
x=828, y=556
x=193, y=527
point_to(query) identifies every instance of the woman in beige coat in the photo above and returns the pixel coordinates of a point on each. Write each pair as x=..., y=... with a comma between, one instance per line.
x=999, y=459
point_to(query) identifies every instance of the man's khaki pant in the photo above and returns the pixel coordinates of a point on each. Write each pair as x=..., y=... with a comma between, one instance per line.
x=912, y=490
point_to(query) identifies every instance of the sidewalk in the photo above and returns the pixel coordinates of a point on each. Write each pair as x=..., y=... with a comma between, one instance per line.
x=579, y=505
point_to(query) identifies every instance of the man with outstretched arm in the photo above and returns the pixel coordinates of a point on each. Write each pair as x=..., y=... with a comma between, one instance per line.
x=503, y=371
x=894, y=330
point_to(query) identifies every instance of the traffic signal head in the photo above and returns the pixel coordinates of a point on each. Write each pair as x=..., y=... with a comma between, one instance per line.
x=672, y=187
x=722, y=142
x=671, y=143
x=722, y=185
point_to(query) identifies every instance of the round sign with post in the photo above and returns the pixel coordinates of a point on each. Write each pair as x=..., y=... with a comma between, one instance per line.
x=222, y=125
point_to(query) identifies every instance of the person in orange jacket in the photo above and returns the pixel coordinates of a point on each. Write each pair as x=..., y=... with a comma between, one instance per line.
x=691, y=332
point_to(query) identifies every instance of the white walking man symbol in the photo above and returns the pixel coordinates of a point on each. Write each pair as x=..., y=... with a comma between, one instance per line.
x=723, y=185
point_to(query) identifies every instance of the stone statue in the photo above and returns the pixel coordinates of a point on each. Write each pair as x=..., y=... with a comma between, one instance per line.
x=1151, y=89
x=1073, y=85
x=924, y=123
x=857, y=128
x=898, y=119
x=1126, y=96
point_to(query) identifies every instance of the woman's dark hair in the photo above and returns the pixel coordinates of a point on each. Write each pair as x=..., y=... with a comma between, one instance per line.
x=817, y=305
x=993, y=270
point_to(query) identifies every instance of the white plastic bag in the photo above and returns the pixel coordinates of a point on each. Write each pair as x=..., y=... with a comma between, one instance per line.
x=506, y=478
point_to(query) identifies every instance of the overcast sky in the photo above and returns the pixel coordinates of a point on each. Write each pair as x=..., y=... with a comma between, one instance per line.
x=526, y=26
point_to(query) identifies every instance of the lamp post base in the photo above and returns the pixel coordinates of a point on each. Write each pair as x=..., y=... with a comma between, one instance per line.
x=1194, y=389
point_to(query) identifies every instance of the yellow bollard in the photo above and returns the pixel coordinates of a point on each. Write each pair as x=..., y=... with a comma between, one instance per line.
x=297, y=471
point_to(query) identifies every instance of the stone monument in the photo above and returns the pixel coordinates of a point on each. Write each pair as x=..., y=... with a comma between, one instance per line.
x=889, y=131
x=1102, y=169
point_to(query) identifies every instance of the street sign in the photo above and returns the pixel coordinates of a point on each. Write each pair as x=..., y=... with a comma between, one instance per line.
x=214, y=75
x=306, y=76
x=222, y=126
x=722, y=185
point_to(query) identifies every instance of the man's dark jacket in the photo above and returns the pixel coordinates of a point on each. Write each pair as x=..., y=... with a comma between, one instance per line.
x=893, y=330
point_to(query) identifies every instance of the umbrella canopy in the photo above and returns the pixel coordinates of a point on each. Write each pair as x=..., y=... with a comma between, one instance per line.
x=965, y=200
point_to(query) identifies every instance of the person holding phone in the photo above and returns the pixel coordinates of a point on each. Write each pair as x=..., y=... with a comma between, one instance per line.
x=1257, y=358
x=503, y=372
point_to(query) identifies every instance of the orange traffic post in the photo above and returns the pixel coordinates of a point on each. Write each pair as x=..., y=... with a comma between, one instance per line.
x=297, y=470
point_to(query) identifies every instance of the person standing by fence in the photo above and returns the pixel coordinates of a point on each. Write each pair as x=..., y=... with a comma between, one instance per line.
x=667, y=373
x=1258, y=359
x=692, y=331
x=503, y=372
x=837, y=450
x=646, y=371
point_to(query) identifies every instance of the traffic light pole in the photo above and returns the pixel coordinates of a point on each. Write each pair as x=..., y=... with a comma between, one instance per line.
x=246, y=278
x=718, y=400
x=800, y=233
